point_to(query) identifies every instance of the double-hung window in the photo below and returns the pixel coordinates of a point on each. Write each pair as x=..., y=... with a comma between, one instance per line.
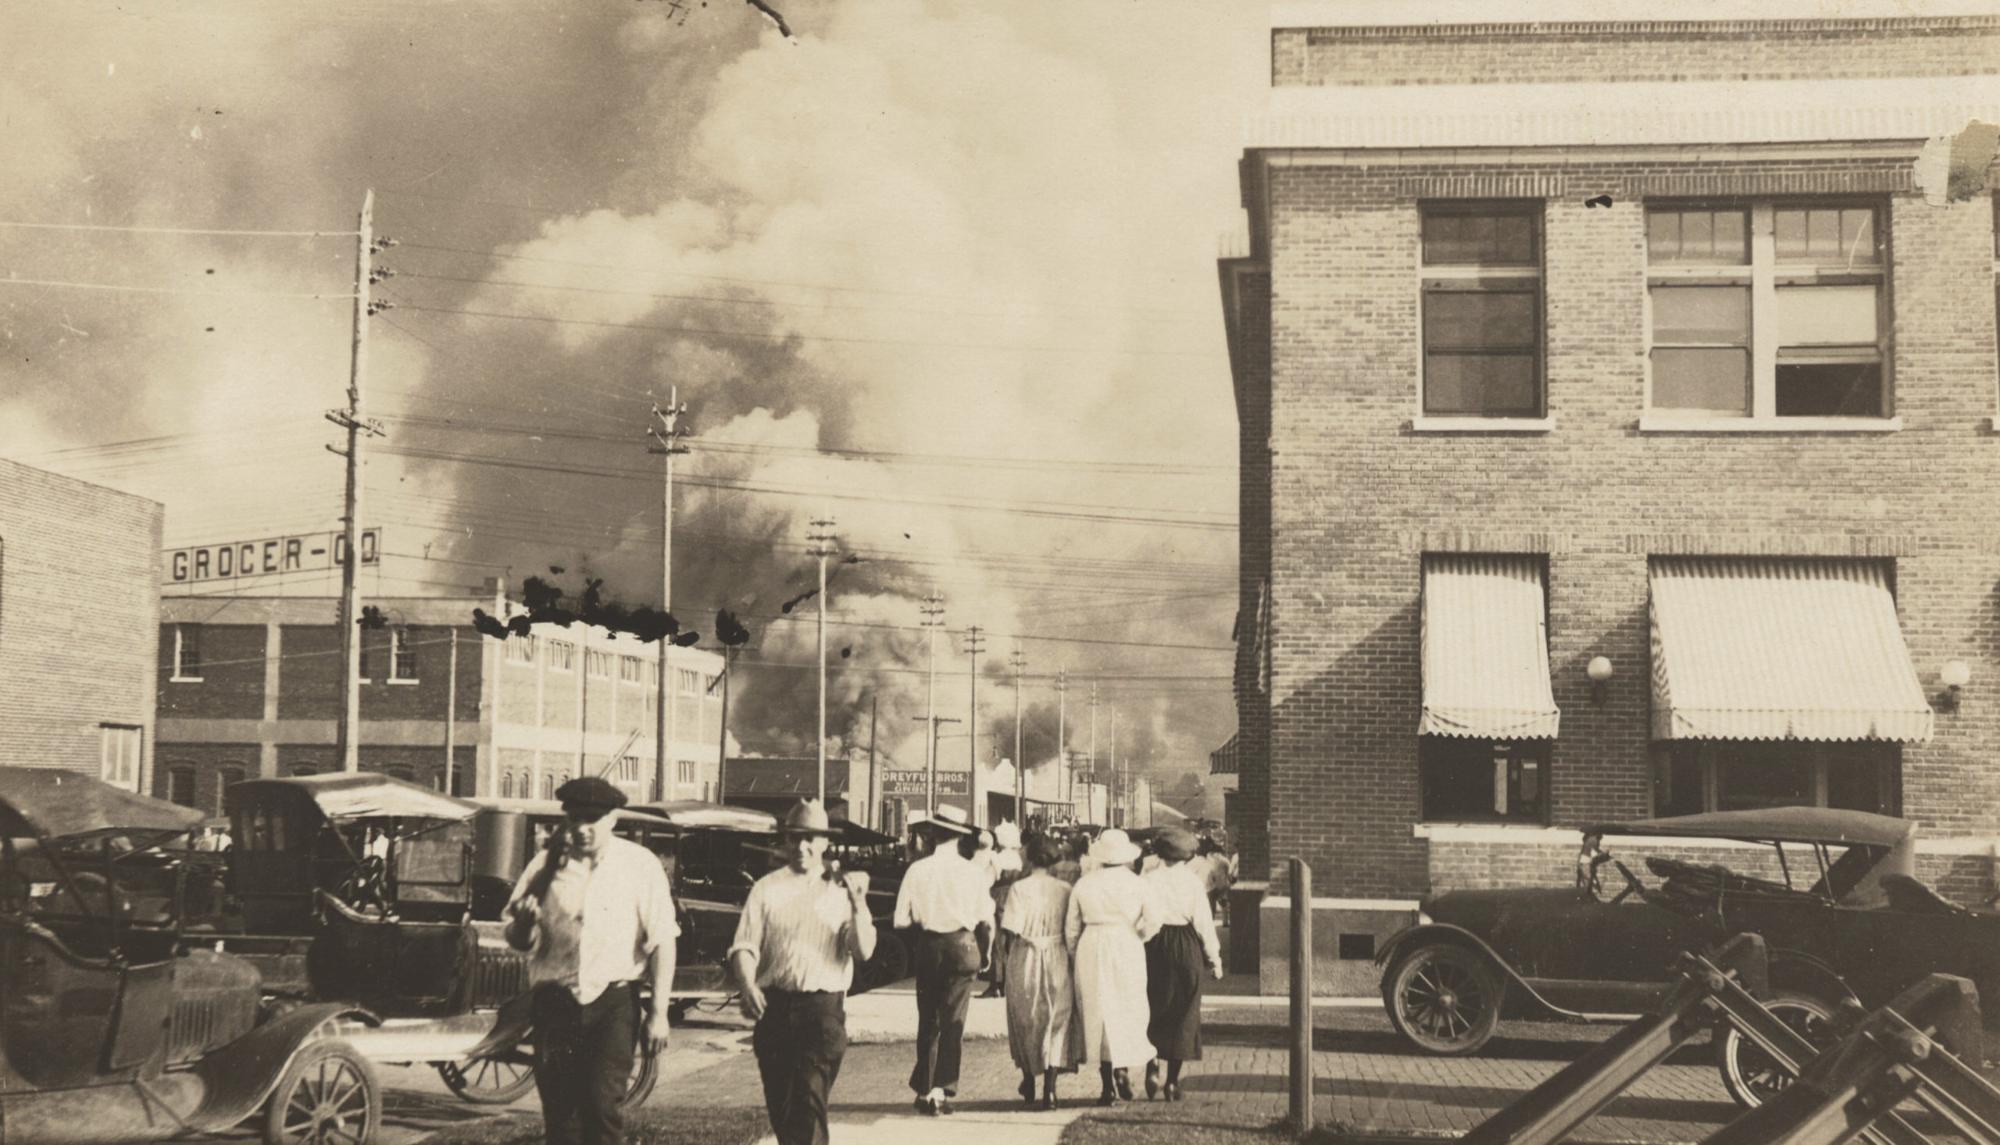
x=187, y=653
x=1768, y=311
x=402, y=658
x=1482, y=310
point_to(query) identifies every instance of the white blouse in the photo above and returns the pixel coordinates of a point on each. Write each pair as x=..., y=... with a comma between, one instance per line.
x=1181, y=897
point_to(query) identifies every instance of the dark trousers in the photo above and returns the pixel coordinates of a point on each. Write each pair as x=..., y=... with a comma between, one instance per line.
x=583, y=1063
x=799, y=1043
x=946, y=967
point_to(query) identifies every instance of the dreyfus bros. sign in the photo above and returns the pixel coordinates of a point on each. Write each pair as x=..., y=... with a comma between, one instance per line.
x=272, y=556
x=897, y=781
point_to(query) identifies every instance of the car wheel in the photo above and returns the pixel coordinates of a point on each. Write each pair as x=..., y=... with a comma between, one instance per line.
x=328, y=1095
x=490, y=1081
x=1754, y=1077
x=645, y=1073
x=1444, y=998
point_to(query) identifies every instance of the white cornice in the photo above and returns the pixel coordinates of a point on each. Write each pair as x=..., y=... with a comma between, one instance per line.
x=1415, y=13
x=1621, y=114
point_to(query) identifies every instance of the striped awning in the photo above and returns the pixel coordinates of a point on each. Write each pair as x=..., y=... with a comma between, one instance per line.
x=1222, y=761
x=1787, y=648
x=1486, y=648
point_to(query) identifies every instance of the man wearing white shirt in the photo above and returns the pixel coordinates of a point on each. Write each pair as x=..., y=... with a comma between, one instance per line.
x=802, y=932
x=599, y=923
x=945, y=902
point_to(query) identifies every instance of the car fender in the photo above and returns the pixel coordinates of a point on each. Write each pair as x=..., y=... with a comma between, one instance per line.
x=1443, y=932
x=238, y=1078
x=1809, y=974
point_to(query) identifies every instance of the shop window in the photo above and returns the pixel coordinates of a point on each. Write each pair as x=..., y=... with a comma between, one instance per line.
x=187, y=654
x=402, y=657
x=118, y=749
x=180, y=786
x=1730, y=775
x=1768, y=310
x=1483, y=780
x=1482, y=310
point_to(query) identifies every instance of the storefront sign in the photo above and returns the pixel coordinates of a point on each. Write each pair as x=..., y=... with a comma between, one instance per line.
x=272, y=556
x=915, y=782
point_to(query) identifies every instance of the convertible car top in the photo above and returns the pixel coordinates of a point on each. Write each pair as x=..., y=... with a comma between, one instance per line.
x=60, y=804
x=356, y=795
x=1774, y=825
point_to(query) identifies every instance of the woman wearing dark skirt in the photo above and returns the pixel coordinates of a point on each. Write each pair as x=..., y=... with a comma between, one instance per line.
x=1176, y=958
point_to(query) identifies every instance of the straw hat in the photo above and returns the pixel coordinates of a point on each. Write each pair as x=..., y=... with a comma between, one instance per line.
x=1006, y=836
x=807, y=818
x=1114, y=848
x=946, y=818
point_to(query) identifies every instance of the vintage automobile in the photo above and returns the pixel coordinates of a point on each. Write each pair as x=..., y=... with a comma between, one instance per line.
x=359, y=887
x=712, y=854
x=1844, y=918
x=113, y=1028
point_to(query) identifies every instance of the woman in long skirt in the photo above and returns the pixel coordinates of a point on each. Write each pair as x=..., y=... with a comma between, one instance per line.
x=1111, y=915
x=1175, y=958
x=1041, y=1030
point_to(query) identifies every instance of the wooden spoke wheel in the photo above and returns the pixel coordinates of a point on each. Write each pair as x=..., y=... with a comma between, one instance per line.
x=1444, y=998
x=328, y=1095
x=491, y=1081
x=1754, y=1077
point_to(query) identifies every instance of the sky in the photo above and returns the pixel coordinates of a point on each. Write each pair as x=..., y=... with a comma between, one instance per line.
x=943, y=273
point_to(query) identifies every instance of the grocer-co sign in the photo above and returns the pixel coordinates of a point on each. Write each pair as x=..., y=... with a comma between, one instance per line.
x=271, y=556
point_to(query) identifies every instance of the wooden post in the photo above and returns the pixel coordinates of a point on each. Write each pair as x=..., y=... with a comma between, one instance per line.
x=1302, y=1014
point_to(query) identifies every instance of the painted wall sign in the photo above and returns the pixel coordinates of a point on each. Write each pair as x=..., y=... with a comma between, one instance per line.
x=271, y=556
x=915, y=782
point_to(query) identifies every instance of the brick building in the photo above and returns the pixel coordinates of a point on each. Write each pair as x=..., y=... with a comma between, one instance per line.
x=1617, y=402
x=251, y=686
x=79, y=567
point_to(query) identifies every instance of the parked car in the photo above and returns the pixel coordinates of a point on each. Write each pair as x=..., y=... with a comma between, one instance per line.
x=112, y=1028
x=1844, y=919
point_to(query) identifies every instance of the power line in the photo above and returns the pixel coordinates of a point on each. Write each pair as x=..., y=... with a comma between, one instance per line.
x=775, y=336
x=178, y=230
x=129, y=289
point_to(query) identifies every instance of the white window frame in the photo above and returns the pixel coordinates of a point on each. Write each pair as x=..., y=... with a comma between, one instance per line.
x=689, y=681
x=520, y=649
x=402, y=659
x=1431, y=275
x=630, y=671
x=121, y=754
x=561, y=656
x=1763, y=275
x=181, y=643
x=684, y=773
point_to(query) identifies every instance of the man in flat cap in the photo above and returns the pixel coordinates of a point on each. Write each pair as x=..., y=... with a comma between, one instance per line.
x=596, y=916
x=803, y=930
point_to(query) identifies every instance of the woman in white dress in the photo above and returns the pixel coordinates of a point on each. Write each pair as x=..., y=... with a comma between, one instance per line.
x=1041, y=1028
x=1111, y=915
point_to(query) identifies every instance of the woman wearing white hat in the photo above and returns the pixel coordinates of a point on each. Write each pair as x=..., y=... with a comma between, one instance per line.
x=1111, y=915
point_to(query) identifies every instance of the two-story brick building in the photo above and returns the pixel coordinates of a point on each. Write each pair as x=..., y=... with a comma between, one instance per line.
x=1617, y=398
x=78, y=607
x=251, y=686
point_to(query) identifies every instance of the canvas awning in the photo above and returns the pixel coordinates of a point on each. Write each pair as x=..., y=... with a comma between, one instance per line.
x=1486, y=648
x=1784, y=648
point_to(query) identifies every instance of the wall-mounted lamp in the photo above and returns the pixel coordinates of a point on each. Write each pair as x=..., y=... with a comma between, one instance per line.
x=1953, y=674
x=1600, y=672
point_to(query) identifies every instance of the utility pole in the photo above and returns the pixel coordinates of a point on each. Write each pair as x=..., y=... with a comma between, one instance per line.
x=872, y=814
x=666, y=442
x=358, y=427
x=931, y=740
x=933, y=611
x=1117, y=781
x=822, y=539
x=1093, y=747
x=722, y=738
x=975, y=643
x=1065, y=768
x=450, y=713
x=1020, y=661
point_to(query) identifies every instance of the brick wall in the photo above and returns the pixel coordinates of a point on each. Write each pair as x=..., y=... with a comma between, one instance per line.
x=1250, y=317
x=1357, y=496
x=231, y=674
x=212, y=766
x=1626, y=51
x=79, y=614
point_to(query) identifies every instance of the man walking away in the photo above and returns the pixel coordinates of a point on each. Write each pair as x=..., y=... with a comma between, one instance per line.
x=946, y=900
x=595, y=914
x=803, y=930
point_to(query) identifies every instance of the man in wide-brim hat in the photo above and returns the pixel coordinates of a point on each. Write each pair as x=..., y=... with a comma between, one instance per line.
x=803, y=930
x=946, y=903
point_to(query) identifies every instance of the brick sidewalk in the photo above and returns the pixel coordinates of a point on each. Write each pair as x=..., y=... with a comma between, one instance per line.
x=1367, y=1081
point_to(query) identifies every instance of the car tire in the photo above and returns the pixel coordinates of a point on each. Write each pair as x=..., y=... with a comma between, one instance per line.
x=1444, y=998
x=328, y=1092
x=1748, y=1073
x=491, y=1081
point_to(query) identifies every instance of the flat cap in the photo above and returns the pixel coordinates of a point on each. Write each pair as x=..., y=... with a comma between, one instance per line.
x=590, y=795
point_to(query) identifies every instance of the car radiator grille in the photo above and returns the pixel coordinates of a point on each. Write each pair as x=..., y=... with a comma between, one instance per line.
x=203, y=1021
x=502, y=973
